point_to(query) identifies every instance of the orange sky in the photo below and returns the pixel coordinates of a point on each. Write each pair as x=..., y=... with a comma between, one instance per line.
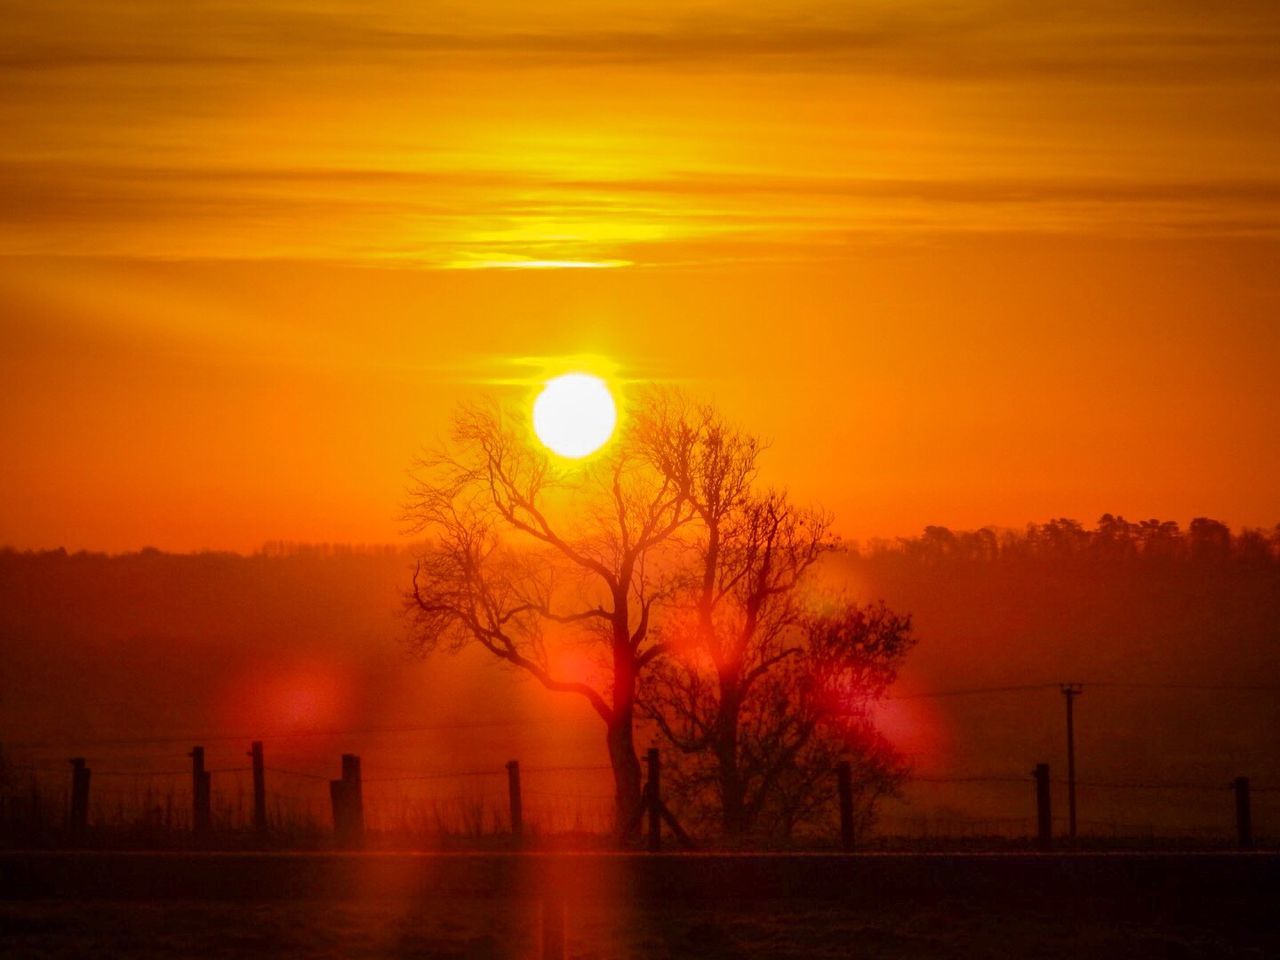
x=964, y=263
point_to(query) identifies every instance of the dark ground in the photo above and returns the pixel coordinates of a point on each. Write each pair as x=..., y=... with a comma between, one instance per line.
x=783, y=929
x=487, y=906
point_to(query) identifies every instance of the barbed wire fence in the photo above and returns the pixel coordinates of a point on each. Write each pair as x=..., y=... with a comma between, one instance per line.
x=145, y=789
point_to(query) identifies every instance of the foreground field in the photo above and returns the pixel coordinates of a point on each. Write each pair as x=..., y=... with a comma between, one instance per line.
x=639, y=907
x=472, y=929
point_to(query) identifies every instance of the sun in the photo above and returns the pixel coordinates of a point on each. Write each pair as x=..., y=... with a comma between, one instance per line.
x=574, y=415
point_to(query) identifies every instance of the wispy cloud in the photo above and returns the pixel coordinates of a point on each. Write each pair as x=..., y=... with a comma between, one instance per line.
x=1102, y=42
x=514, y=137
x=523, y=220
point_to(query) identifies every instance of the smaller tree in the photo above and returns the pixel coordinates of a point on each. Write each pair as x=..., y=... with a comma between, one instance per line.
x=747, y=692
x=749, y=553
x=850, y=657
x=742, y=624
x=810, y=707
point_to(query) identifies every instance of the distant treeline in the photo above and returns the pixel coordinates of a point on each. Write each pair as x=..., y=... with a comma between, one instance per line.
x=294, y=548
x=270, y=549
x=1114, y=538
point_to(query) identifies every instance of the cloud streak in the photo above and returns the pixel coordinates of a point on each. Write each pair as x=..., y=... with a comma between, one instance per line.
x=509, y=219
x=1100, y=43
x=440, y=136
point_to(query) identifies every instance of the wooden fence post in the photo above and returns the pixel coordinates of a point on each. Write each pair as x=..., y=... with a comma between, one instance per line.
x=844, y=780
x=259, y=789
x=37, y=810
x=1044, y=820
x=355, y=788
x=201, y=794
x=338, y=798
x=1244, y=816
x=653, y=789
x=517, y=805
x=347, y=796
x=79, y=817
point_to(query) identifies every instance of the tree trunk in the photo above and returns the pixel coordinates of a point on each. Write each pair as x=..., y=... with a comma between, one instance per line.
x=621, y=740
x=626, y=775
x=732, y=790
x=732, y=799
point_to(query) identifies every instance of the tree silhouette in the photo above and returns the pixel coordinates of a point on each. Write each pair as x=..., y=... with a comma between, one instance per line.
x=520, y=545
x=818, y=710
x=1114, y=539
x=749, y=693
x=1208, y=539
x=686, y=580
x=763, y=715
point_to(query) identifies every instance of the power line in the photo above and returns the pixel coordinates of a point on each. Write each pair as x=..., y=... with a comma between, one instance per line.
x=298, y=773
x=1149, y=786
x=971, y=691
x=441, y=775
x=480, y=724
x=1023, y=780
x=280, y=735
x=1117, y=684
x=1233, y=687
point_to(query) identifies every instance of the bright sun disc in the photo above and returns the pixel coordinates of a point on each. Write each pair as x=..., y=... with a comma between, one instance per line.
x=574, y=415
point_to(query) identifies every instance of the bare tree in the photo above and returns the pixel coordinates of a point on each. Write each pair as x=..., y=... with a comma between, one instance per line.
x=802, y=702
x=738, y=697
x=520, y=546
x=659, y=546
x=851, y=655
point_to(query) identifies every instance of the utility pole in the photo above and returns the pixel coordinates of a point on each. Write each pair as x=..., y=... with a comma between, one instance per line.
x=1071, y=691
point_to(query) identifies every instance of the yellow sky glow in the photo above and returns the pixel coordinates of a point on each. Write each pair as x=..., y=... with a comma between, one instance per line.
x=968, y=263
